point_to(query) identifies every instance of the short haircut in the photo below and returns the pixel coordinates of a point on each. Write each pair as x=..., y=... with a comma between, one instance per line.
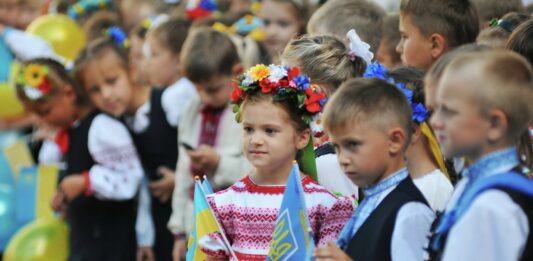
x=456, y=20
x=207, y=53
x=500, y=79
x=521, y=39
x=172, y=33
x=339, y=16
x=324, y=58
x=497, y=36
x=489, y=9
x=369, y=100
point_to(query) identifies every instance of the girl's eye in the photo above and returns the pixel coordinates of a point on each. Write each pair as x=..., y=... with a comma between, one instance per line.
x=283, y=24
x=270, y=131
x=111, y=81
x=94, y=90
x=247, y=129
x=266, y=22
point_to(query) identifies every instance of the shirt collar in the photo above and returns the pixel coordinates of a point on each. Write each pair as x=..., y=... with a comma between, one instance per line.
x=493, y=163
x=387, y=183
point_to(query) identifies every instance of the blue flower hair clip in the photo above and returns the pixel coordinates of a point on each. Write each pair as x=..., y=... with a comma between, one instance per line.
x=118, y=36
x=376, y=70
x=86, y=6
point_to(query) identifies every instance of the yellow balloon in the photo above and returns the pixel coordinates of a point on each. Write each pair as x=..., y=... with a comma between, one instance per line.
x=66, y=36
x=10, y=106
x=42, y=240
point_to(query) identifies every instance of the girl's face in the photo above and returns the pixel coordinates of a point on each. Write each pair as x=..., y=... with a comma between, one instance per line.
x=270, y=140
x=106, y=81
x=138, y=64
x=59, y=111
x=164, y=65
x=281, y=24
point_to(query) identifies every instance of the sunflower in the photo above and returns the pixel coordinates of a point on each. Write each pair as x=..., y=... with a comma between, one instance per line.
x=34, y=74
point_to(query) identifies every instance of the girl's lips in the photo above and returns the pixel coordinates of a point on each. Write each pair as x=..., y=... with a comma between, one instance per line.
x=256, y=152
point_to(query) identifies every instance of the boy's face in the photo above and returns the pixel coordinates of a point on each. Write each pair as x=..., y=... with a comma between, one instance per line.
x=457, y=121
x=162, y=57
x=414, y=47
x=363, y=152
x=215, y=92
x=108, y=84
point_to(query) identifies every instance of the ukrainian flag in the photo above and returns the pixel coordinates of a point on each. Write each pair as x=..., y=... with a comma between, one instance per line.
x=204, y=221
x=292, y=236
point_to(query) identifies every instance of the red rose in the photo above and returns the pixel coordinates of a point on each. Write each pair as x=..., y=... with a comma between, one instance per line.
x=312, y=103
x=237, y=93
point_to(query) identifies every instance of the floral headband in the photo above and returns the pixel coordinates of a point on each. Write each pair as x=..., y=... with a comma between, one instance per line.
x=34, y=80
x=377, y=70
x=284, y=83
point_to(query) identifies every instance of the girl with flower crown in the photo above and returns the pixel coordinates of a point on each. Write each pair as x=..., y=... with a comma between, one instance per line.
x=102, y=172
x=275, y=105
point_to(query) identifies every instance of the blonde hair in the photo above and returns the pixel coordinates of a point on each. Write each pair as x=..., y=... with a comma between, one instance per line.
x=503, y=80
x=324, y=58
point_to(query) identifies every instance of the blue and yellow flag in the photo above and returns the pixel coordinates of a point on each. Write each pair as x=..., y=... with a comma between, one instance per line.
x=204, y=221
x=292, y=236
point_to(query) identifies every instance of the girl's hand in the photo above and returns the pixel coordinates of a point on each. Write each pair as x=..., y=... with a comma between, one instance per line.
x=164, y=187
x=330, y=252
x=58, y=201
x=205, y=157
x=72, y=186
x=145, y=254
x=178, y=251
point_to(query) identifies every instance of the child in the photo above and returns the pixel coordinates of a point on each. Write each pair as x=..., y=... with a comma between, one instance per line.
x=484, y=104
x=102, y=168
x=329, y=63
x=152, y=115
x=282, y=21
x=275, y=130
x=339, y=16
x=431, y=28
x=425, y=162
x=495, y=9
x=390, y=37
x=210, y=60
x=369, y=123
x=500, y=30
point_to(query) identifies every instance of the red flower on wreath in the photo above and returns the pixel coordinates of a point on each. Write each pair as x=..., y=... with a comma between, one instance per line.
x=46, y=86
x=267, y=86
x=312, y=103
x=237, y=93
x=293, y=72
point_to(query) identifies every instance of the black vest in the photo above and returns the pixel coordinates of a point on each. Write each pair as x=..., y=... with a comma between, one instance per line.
x=525, y=202
x=373, y=240
x=158, y=144
x=99, y=230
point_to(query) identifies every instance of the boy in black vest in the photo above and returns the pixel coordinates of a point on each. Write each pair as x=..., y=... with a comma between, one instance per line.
x=484, y=102
x=369, y=123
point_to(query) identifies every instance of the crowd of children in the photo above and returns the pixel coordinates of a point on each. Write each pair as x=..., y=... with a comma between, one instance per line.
x=411, y=122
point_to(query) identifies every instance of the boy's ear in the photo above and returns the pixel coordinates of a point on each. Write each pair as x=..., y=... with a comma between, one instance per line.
x=498, y=125
x=438, y=45
x=397, y=140
x=237, y=70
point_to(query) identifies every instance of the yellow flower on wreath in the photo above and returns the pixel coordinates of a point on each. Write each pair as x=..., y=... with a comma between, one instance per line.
x=259, y=72
x=34, y=74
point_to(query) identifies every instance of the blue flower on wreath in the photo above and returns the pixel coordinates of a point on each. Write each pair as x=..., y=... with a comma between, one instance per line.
x=302, y=81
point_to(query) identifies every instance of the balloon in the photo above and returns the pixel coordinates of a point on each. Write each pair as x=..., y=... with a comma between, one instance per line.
x=42, y=240
x=66, y=36
x=7, y=214
x=10, y=106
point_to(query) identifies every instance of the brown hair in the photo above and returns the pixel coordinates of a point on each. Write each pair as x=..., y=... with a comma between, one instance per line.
x=368, y=100
x=489, y=9
x=507, y=84
x=456, y=20
x=207, y=53
x=95, y=50
x=60, y=76
x=172, y=33
x=338, y=17
x=98, y=22
x=324, y=58
x=498, y=35
x=390, y=35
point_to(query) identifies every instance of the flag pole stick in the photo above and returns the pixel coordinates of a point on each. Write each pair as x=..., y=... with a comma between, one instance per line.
x=225, y=239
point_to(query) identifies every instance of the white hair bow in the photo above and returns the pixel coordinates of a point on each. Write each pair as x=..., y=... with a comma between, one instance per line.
x=359, y=48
